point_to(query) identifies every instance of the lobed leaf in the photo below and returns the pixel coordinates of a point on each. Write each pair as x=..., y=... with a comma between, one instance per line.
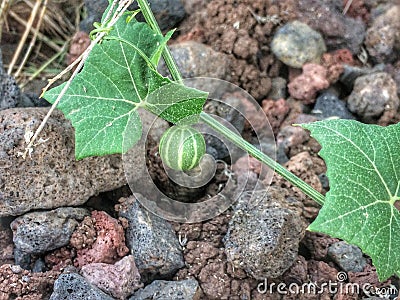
x=363, y=164
x=103, y=99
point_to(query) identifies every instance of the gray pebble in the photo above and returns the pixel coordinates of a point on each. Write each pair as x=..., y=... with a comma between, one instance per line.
x=22, y=259
x=38, y=232
x=75, y=287
x=39, y=266
x=188, y=289
x=296, y=43
x=324, y=180
x=168, y=13
x=9, y=90
x=11, y=96
x=351, y=73
x=329, y=105
x=372, y=95
x=348, y=257
x=16, y=269
x=264, y=234
x=152, y=242
x=383, y=39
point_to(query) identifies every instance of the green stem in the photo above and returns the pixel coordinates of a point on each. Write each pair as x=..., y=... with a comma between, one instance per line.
x=256, y=153
x=210, y=121
x=151, y=20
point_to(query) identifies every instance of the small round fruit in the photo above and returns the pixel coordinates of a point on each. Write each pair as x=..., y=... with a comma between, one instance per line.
x=182, y=147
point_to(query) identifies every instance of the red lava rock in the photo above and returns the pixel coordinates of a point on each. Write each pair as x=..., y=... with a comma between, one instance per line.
x=318, y=244
x=119, y=280
x=333, y=62
x=232, y=28
x=298, y=272
x=197, y=254
x=84, y=235
x=307, y=168
x=368, y=276
x=357, y=9
x=321, y=272
x=80, y=41
x=195, y=34
x=245, y=162
x=60, y=258
x=276, y=112
x=306, y=86
x=214, y=281
x=245, y=47
x=17, y=283
x=291, y=136
x=109, y=246
x=213, y=229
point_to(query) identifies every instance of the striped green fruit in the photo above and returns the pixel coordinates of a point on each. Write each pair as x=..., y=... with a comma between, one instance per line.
x=182, y=147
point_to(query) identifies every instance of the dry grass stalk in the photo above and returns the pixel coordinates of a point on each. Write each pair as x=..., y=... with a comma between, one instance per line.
x=33, y=40
x=24, y=36
x=346, y=8
x=40, y=36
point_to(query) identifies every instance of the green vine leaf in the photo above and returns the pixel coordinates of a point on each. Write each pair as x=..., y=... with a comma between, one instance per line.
x=363, y=164
x=103, y=99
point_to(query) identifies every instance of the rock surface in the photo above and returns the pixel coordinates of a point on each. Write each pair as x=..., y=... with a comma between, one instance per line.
x=72, y=286
x=306, y=86
x=162, y=290
x=296, y=43
x=16, y=283
x=151, y=240
x=11, y=96
x=39, y=232
x=383, y=37
x=168, y=13
x=329, y=105
x=51, y=177
x=264, y=234
x=104, y=244
x=119, y=280
x=326, y=17
x=198, y=60
x=373, y=95
x=10, y=93
x=348, y=257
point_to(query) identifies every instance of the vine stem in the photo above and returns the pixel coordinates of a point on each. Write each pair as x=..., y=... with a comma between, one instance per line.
x=167, y=55
x=210, y=121
x=256, y=153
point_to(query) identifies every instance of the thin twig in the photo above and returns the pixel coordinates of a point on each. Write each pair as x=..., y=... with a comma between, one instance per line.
x=56, y=26
x=3, y=10
x=123, y=5
x=40, y=35
x=24, y=36
x=346, y=8
x=33, y=40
